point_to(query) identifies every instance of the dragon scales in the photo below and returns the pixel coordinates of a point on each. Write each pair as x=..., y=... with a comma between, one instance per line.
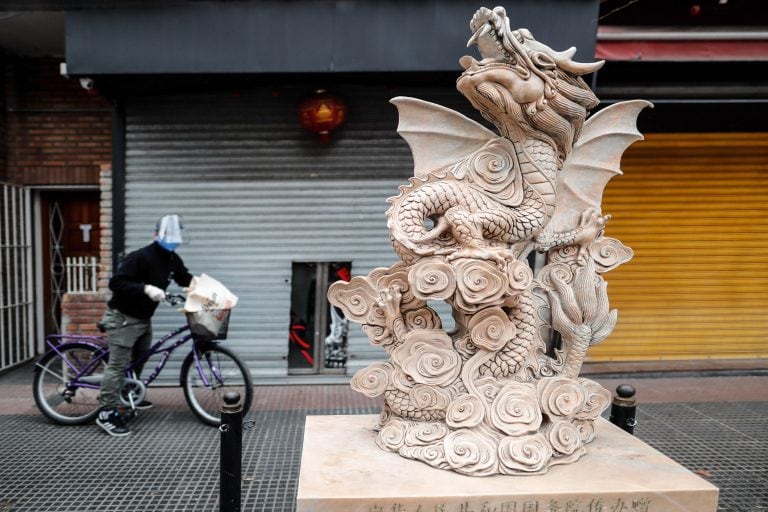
x=491, y=396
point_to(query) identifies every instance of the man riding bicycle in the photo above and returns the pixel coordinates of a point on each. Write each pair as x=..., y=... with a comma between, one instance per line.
x=137, y=287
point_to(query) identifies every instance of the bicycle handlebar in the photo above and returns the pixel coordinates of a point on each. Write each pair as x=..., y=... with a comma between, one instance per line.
x=174, y=299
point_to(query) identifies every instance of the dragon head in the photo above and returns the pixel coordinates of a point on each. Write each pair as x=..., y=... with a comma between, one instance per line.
x=522, y=85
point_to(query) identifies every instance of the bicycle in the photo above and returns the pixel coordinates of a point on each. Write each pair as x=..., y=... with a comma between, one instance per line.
x=68, y=377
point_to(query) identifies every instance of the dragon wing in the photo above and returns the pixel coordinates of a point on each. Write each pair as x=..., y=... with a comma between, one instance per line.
x=594, y=160
x=438, y=136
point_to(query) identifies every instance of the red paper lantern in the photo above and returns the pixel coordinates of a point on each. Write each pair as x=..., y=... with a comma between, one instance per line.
x=322, y=113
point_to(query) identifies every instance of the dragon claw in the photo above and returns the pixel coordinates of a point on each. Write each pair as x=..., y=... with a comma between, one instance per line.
x=389, y=301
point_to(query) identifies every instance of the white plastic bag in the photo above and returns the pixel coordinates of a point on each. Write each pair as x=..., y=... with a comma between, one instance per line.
x=207, y=307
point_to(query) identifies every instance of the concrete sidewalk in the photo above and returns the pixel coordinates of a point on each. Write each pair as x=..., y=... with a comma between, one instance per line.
x=715, y=426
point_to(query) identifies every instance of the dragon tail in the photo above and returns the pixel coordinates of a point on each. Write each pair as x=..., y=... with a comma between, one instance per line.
x=422, y=199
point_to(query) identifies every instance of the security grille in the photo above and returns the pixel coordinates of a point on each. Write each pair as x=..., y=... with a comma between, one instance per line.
x=16, y=308
x=82, y=274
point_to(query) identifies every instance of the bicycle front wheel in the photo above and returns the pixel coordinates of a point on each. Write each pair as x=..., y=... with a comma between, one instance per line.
x=206, y=380
x=60, y=398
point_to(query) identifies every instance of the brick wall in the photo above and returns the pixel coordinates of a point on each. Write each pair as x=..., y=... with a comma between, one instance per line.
x=56, y=132
x=105, y=220
x=80, y=312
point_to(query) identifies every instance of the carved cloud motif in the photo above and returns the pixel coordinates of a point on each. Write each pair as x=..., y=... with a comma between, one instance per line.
x=516, y=411
x=495, y=169
x=465, y=411
x=491, y=329
x=478, y=283
x=561, y=397
x=528, y=454
x=428, y=357
x=432, y=279
x=373, y=380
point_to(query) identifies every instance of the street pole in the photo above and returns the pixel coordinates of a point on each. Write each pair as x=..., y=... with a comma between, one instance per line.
x=623, y=408
x=231, y=453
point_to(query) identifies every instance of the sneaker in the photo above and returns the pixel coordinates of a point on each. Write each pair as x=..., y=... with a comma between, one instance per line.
x=111, y=421
x=144, y=404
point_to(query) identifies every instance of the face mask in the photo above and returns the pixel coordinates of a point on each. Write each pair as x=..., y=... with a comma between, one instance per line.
x=168, y=246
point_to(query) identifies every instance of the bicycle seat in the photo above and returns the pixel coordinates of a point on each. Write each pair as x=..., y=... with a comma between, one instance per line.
x=102, y=327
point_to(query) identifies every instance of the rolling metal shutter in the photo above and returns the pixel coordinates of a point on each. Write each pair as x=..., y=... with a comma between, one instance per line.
x=694, y=207
x=257, y=193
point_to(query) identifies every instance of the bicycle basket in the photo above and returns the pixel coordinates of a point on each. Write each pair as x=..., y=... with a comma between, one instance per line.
x=209, y=325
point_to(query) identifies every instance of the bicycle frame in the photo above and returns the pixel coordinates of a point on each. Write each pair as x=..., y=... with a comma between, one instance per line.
x=156, y=349
x=54, y=341
x=99, y=343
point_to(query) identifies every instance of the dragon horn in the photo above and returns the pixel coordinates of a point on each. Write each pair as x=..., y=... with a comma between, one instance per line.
x=564, y=59
x=577, y=68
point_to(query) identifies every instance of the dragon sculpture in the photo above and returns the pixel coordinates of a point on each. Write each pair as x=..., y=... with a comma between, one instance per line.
x=493, y=395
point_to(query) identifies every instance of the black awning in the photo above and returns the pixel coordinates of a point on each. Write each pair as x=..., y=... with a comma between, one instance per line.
x=305, y=36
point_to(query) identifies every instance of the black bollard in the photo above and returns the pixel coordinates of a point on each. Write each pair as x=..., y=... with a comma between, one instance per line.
x=623, y=408
x=231, y=453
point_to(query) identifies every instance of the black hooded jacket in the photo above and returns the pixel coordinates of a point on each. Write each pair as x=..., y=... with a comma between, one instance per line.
x=149, y=265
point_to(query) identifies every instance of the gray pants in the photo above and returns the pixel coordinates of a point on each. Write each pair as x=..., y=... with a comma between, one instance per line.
x=128, y=337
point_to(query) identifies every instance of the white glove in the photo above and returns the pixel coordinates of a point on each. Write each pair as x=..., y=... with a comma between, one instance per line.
x=154, y=293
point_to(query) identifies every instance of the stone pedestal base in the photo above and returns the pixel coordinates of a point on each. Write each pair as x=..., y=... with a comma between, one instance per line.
x=342, y=470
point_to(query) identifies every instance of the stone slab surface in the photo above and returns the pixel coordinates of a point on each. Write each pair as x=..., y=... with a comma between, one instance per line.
x=342, y=470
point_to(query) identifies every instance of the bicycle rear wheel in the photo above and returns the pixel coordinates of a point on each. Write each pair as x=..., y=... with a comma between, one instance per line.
x=219, y=372
x=56, y=396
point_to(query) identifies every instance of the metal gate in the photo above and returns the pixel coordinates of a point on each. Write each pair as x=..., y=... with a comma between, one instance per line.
x=16, y=285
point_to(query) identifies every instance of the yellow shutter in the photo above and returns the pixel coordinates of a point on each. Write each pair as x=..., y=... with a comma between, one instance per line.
x=694, y=208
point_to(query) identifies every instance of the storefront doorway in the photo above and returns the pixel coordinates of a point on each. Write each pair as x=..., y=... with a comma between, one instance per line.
x=317, y=337
x=69, y=223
